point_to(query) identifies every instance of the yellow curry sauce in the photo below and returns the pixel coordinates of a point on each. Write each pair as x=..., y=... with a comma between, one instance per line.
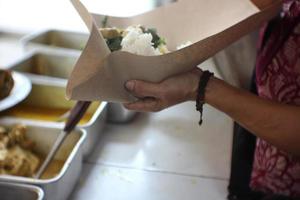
x=42, y=113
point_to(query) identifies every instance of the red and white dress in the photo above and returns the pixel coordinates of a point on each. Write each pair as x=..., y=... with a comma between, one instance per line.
x=275, y=171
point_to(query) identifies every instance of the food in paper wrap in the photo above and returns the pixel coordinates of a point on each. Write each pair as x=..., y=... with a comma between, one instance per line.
x=100, y=74
x=135, y=39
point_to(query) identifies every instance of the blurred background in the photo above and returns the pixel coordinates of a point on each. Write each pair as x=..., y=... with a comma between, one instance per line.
x=28, y=16
x=33, y=15
x=20, y=18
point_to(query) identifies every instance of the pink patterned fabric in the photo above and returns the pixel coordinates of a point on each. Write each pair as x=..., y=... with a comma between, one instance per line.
x=275, y=171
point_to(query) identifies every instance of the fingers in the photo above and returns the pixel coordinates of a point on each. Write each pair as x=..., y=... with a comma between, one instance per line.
x=142, y=89
x=145, y=105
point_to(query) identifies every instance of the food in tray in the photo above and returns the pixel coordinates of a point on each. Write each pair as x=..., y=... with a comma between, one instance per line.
x=135, y=39
x=43, y=114
x=18, y=157
x=16, y=152
x=47, y=103
x=6, y=83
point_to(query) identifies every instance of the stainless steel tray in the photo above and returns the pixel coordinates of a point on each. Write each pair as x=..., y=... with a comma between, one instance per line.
x=46, y=103
x=61, y=185
x=55, y=40
x=56, y=67
x=53, y=65
x=11, y=191
x=51, y=43
x=118, y=114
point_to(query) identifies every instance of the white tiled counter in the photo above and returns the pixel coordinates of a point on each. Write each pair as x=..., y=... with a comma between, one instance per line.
x=161, y=156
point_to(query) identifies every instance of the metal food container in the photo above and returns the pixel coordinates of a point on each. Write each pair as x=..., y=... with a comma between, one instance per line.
x=55, y=57
x=55, y=40
x=46, y=103
x=57, y=67
x=52, y=65
x=11, y=191
x=118, y=114
x=59, y=186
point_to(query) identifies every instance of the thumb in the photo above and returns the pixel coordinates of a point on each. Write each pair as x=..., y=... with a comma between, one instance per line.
x=142, y=88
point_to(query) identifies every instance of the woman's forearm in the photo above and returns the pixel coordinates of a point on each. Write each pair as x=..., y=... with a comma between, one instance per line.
x=279, y=124
x=265, y=3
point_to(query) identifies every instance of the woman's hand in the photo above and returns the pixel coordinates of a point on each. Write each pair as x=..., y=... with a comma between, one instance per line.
x=155, y=97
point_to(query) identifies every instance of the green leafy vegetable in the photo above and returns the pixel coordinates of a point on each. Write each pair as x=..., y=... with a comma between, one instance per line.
x=114, y=44
x=162, y=41
x=156, y=40
x=104, y=22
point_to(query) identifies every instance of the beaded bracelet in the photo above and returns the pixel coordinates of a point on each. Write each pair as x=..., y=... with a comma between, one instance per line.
x=201, y=92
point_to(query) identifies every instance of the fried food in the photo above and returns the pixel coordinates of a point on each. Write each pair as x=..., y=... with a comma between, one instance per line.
x=6, y=83
x=16, y=152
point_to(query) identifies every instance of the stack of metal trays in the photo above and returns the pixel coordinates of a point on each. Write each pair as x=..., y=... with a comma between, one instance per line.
x=67, y=44
x=43, y=112
x=55, y=41
x=48, y=73
x=48, y=62
x=61, y=176
x=11, y=191
x=47, y=102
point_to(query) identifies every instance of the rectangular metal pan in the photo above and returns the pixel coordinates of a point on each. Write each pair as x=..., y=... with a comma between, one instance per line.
x=12, y=191
x=118, y=114
x=55, y=67
x=59, y=186
x=55, y=40
x=50, y=59
x=52, y=65
x=46, y=103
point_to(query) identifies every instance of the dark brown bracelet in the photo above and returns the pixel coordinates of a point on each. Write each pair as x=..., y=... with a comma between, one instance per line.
x=201, y=92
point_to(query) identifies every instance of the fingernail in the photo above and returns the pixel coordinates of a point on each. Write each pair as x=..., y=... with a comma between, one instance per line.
x=130, y=85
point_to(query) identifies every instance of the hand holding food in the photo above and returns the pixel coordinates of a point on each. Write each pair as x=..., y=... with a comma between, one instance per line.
x=158, y=96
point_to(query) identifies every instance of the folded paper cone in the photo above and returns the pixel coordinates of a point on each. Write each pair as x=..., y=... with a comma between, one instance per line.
x=210, y=25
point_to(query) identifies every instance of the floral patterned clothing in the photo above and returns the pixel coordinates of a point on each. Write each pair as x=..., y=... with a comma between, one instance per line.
x=278, y=79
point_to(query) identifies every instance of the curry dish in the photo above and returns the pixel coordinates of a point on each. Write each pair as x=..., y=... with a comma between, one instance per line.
x=18, y=157
x=16, y=152
x=42, y=113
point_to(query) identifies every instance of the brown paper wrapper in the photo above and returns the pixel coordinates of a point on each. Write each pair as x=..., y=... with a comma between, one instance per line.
x=210, y=25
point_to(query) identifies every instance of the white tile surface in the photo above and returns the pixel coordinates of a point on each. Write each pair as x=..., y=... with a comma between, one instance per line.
x=171, y=141
x=110, y=183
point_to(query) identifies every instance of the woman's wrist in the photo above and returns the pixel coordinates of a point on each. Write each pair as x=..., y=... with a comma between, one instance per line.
x=195, y=78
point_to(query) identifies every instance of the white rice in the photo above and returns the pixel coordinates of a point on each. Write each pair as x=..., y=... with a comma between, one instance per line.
x=188, y=43
x=137, y=42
